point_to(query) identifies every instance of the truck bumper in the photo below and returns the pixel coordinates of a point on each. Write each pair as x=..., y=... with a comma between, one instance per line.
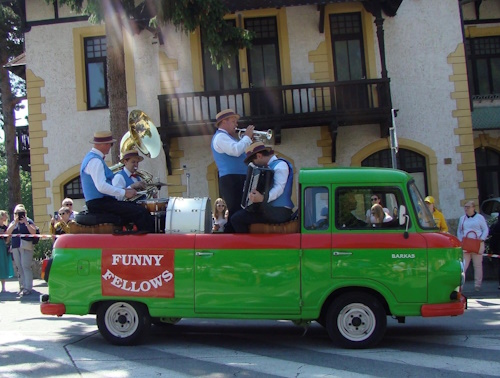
x=48, y=308
x=444, y=309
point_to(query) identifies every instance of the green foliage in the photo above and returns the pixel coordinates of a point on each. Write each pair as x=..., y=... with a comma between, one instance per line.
x=26, y=193
x=43, y=249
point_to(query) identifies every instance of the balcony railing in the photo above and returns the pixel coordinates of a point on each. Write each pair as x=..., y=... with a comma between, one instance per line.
x=288, y=106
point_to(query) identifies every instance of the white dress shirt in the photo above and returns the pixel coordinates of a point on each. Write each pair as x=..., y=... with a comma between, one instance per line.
x=119, y=182
x=281, y=172
x=223, y=143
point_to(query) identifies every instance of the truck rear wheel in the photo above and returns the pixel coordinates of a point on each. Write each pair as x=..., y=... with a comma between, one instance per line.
x=356, y=321
x=123, y=323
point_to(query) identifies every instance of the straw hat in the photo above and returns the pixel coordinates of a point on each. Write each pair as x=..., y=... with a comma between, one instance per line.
x=255, y=148
x=130, y=154
x=225, y=114
x=103, y=137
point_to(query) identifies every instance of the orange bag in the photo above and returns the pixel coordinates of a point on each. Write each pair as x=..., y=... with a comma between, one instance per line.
x=471, y=245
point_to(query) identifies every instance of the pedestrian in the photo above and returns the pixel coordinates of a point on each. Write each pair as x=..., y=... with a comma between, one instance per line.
x=68, y=202
x=220, y=215
x=6, y=269
x=473, y=225
x=229, y=155
x=436, y=214
x=63, y=225
x=22, y=248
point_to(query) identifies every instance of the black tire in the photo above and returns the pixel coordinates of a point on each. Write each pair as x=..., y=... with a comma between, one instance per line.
x=356, y=321
x=123, y=323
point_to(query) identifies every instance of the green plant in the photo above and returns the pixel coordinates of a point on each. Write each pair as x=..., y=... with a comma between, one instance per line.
x=43, y=249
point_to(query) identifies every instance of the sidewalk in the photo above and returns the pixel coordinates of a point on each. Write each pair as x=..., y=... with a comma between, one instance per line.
x=12, y=288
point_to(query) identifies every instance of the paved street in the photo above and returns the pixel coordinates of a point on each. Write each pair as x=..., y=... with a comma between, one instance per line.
x=34, y=345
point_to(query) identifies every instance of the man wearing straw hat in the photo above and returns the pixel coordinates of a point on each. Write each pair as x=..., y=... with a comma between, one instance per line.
x=279, y=205
x=229, y=155
x=99, y=192
x=127, y=177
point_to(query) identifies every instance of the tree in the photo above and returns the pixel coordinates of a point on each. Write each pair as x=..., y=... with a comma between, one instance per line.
x=222, y=40
x=11, y=45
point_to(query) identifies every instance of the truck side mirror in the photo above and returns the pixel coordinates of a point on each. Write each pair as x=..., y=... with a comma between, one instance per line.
x=402, y=215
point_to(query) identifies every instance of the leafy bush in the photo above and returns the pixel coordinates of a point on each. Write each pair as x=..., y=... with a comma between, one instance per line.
x=43, y=249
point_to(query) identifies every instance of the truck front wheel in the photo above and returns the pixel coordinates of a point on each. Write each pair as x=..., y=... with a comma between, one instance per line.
x=356, y=321
x=123, y=323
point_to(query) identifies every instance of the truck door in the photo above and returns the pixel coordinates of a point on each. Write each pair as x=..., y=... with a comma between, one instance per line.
x=370, y=250
x=247, y=273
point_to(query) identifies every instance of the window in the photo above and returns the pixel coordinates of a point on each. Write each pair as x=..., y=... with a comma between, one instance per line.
x=96, y=72
x=484, y=65
x=347, y=43
x=356, y=208
x=222, y=79
x=73, y=189
x=408, y=161
x=488, y=177
x=316, y=208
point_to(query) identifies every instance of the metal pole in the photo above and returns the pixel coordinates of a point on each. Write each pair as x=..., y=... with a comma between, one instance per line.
x=394, y=139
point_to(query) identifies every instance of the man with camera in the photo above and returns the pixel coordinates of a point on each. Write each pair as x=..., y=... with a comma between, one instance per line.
x=22, y=248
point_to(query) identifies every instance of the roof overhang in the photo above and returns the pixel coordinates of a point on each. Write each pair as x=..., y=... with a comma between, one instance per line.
x=17, y=66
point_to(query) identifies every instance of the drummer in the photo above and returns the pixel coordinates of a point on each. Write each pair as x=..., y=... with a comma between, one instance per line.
x=127, y=177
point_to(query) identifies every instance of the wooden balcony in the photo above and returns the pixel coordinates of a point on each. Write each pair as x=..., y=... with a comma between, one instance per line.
x=289, y=106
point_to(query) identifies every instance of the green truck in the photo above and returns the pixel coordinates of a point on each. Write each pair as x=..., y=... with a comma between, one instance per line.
x=331, y=265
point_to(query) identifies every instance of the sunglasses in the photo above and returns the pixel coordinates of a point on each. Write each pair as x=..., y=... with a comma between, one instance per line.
x=67, y=204
x=61, y=214
x=374, y=199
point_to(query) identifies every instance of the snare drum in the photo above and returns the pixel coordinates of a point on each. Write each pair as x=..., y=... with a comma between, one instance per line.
x=154, y=205
x=188, y=215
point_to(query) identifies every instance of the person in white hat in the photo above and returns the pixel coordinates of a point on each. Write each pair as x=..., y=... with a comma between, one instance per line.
x=279, y=206
x=229, y=155
x=127, y=177
x=100, y=195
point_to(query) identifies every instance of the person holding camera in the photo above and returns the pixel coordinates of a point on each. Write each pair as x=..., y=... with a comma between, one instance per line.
x=22, y=248
x=62, y=222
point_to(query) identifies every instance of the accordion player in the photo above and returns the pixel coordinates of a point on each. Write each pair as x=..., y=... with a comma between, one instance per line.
x=260, y=179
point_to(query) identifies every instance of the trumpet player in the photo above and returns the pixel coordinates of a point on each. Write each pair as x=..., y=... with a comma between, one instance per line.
x=99, y=192
x=127, y=177
x=229, y=156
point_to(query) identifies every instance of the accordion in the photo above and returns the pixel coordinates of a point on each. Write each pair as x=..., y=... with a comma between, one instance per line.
x=260, y=179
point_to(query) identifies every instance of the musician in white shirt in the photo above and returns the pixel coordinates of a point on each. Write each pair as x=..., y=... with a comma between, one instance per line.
x=279, y=205
x=229, y=155
x=99, y=192
x=127, y=177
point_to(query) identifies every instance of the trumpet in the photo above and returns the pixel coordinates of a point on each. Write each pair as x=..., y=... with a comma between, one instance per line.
x=258, y=135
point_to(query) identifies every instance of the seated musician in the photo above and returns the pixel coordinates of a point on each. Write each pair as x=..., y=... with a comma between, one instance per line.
x=279, y=205
x=100, y=195
x=127, y=177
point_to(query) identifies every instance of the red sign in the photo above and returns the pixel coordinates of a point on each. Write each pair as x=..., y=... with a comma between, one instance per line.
x=133, y=273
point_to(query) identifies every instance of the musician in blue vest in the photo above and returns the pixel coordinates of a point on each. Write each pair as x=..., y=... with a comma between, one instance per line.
x=279, y=205
x=127, y=177
x=229, y=155
x=99, y=192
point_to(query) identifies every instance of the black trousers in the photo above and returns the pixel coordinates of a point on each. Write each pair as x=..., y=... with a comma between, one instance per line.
x=266, y=214
x=129, y=212
x=231, y=191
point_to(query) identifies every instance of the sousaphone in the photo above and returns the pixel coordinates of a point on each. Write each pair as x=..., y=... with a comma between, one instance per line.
x=143, y=135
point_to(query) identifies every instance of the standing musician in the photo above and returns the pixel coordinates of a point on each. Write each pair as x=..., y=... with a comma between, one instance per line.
x=127, y=177
x=229, y=155
x=279, y=206
x=99, y=192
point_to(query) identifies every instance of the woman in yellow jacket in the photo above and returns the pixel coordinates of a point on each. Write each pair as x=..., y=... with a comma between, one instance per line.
x=436, y=214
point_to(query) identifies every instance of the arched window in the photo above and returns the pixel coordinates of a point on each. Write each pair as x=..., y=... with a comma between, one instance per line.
x=488, y=177
x=409, y=161
x=73, y=189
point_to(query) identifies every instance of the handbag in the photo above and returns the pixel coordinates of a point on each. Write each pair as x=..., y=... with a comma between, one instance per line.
x=470, y=245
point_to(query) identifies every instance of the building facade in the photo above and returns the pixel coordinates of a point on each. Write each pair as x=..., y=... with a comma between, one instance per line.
x=324, y=76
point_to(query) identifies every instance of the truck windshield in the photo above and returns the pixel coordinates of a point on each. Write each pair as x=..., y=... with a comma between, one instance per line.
x=424, y=215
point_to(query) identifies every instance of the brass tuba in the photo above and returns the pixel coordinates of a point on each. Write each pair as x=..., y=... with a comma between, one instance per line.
x=144, y=136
